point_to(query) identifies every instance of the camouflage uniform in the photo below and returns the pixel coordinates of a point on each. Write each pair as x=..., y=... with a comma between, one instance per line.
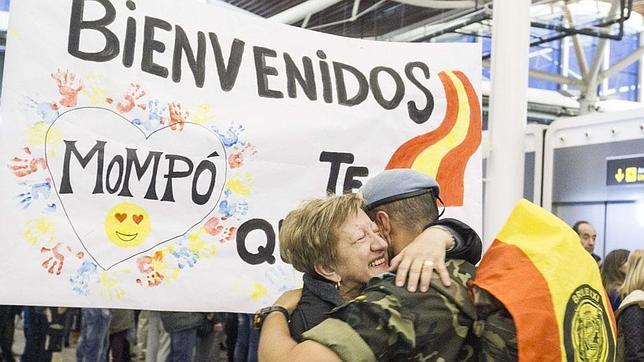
x=388, y=323
x=497, y=336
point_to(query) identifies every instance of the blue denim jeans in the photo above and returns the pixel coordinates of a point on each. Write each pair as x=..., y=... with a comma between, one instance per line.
x=182, y=345
x=95, y=330
x=247, y=339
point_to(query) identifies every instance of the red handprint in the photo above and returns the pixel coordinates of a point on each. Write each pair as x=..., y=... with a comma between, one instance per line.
x=68, y=87
x=145, y=265
x=177, y=116
x=23, y=166
x=236, y=160
x=134, y=94
x=54, y=264
x=229, y=234
x=212, y=226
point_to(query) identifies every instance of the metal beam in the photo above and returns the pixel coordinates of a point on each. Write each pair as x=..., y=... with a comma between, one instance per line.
x=551, y=77
x=579, y=50
x=299, y=12
x=625, y=62
x=417, y=30
x=356, y=7
x=440, y=4
x=555, y=78
x=225, y=5
x=589, y=96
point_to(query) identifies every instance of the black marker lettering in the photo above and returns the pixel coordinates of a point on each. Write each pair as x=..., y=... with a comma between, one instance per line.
x=150, y=45
x=262, y=71
x=419, y=115
x=77, y=24
x=264, y=252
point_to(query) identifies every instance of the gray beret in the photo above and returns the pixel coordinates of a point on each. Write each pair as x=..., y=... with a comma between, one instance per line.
x=397, y=184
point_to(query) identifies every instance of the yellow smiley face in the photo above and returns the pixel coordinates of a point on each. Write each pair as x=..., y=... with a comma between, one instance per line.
x=127, y=225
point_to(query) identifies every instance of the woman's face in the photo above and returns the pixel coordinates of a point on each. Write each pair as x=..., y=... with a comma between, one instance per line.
x=362, y=253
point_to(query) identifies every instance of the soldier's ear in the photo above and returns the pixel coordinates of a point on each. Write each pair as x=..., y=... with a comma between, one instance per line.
x=383, y=221
x=328, y=273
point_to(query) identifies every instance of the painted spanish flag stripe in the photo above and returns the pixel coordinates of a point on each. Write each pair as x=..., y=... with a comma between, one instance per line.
x=533, y=267
x=443, y=152
x=407, y=153
x=451, y=171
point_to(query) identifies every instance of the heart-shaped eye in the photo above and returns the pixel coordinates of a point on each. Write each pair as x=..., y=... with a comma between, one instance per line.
x=137, y=218
x=120, y=217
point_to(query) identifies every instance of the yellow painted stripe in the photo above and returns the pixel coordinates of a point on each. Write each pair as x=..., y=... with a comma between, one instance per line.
x=428, y=161
x=565, y=266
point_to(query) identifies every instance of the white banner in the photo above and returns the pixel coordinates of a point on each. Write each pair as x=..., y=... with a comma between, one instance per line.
x=152, y=147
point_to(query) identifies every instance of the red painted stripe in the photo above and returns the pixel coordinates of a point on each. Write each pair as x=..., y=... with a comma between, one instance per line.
x=507, y=273
x=451, y=171
x=406, y=154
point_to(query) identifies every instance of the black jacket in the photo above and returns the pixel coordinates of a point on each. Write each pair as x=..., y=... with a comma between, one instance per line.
x=319, y=297
x=468, y=243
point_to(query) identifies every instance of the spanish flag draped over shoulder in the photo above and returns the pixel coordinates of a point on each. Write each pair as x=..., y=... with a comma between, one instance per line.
x=551, y=286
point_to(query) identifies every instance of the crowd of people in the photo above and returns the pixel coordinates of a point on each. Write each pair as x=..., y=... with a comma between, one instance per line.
x=100, y=334
x=351, y=307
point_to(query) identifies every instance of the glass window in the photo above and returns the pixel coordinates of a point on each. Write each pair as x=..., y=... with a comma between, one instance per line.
x=624, y=84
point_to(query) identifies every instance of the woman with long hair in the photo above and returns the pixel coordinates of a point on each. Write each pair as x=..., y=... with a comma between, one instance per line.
x=630, y=315
x=613, y=273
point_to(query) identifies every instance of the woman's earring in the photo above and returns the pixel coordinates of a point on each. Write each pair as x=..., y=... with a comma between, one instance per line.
x=338, y=284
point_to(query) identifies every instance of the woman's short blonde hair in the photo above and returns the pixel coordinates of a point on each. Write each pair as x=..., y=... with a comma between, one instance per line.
x=635, y=274
x=309, y=234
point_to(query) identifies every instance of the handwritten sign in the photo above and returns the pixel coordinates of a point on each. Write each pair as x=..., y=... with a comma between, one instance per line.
x=151, y=148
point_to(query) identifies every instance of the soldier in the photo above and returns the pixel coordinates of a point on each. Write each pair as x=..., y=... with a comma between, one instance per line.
x=388, y=322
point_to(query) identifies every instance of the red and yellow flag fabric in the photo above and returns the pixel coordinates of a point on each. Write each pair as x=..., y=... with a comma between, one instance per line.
x=551, y=286
x=443, y=152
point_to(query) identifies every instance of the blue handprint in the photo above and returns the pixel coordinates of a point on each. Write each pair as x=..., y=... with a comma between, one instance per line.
x=225, y=209
x=36, y=191
x=156, y=116
x=231, y=136
x=48, y=112
x=283, y=278
x=85, y=274
x=241, y=209
x=185, y=258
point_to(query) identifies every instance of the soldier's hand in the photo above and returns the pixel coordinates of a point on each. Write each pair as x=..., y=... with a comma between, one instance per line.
x=416, y=263
x=289, y=300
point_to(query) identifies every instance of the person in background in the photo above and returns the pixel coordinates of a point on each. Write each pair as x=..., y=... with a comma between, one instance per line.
x=630, y=314
x=121, y=324
x=230, y=328
x=587, y=236
x=247, y=339
x=55, y=333
x=142, y=333
x=72, y=315
x=94, y=337
x=182, y=327
x=7, y=324
x=613, y=272
x=158, y=340
x=210, y=337
x=36, y=335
